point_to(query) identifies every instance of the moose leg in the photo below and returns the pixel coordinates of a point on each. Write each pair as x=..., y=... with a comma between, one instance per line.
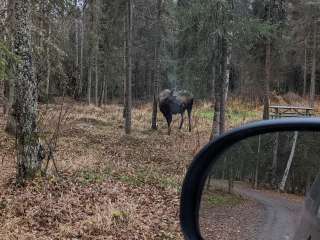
x=189, y=117
x=182, y=120
x=169, y=120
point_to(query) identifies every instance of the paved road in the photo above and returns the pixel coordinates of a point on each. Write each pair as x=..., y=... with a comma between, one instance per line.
x=281, y=215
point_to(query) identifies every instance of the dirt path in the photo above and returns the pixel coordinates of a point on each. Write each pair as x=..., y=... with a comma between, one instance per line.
x=281, y=214
x=239, y=222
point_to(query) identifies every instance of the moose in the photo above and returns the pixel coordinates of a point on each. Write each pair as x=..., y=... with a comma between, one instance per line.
x=175, y=102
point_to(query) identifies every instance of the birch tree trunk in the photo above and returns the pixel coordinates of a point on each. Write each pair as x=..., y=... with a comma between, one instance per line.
x=226, y=58
x=157, y=67
x=26, y=96
x=289, y=163
x=102, y=99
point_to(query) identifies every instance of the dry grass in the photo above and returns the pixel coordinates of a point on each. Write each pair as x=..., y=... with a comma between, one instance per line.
x=112, y=186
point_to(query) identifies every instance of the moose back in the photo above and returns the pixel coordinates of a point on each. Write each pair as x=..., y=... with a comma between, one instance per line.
x=175, y=102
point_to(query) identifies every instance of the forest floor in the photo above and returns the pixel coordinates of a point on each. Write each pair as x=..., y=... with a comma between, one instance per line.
x=227, y=216
x=110, y=186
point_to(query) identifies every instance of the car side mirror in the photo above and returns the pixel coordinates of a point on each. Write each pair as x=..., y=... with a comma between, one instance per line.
x=260, y=181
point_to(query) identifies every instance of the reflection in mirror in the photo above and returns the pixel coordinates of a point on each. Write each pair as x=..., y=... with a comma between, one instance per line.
x=264, y=187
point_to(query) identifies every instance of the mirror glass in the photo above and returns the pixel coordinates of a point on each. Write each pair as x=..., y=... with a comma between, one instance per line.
x=265, y=187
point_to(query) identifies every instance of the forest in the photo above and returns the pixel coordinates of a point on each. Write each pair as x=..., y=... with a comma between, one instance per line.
x=84, y=147
x=260, y=161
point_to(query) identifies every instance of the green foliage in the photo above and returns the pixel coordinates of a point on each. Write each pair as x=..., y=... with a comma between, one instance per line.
x=243, y=24
x=235, y=116
x=221, y=199
x=90, y=177
x=257, y=153
x=138, y=178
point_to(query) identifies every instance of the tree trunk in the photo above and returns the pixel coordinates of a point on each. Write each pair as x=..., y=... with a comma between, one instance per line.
x=10, y=26
x=156, y=67
x=213, y=83
x=150, y=81
x=11, y=122
x=305, y=72
x=77, y=66
x=89, y=83
x=128, y=82
x=104, y=90
x=125, y=71
x=101, y=98
x=218, y=85
x=266, y=101
x=314, y=65
x=275, y=160
x=224, y=168
x=226, y=58
x=289, y=163
x=26, y=96
x=230, y=180
x=146, y=74
x=256, y=175
x=81, y=53
x=215, y=103
x=267, y=80
x=96, y=49
x=48, y=64
x=105, y=80
x=42, y=16
x=96, y=81
x=216, y=119
x=2, y=96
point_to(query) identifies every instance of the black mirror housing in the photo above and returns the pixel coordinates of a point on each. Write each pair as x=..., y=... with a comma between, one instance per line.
x=199, y=169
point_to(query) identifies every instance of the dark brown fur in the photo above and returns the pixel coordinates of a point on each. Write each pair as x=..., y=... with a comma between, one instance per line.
x=172, y=102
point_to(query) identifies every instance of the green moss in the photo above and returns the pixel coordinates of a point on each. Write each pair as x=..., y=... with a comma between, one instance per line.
x=3, y=204
x=136, y=179
x=91, y=176
x=133, y=180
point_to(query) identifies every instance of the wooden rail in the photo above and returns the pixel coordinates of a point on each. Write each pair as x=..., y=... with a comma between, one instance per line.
x=290, y=111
